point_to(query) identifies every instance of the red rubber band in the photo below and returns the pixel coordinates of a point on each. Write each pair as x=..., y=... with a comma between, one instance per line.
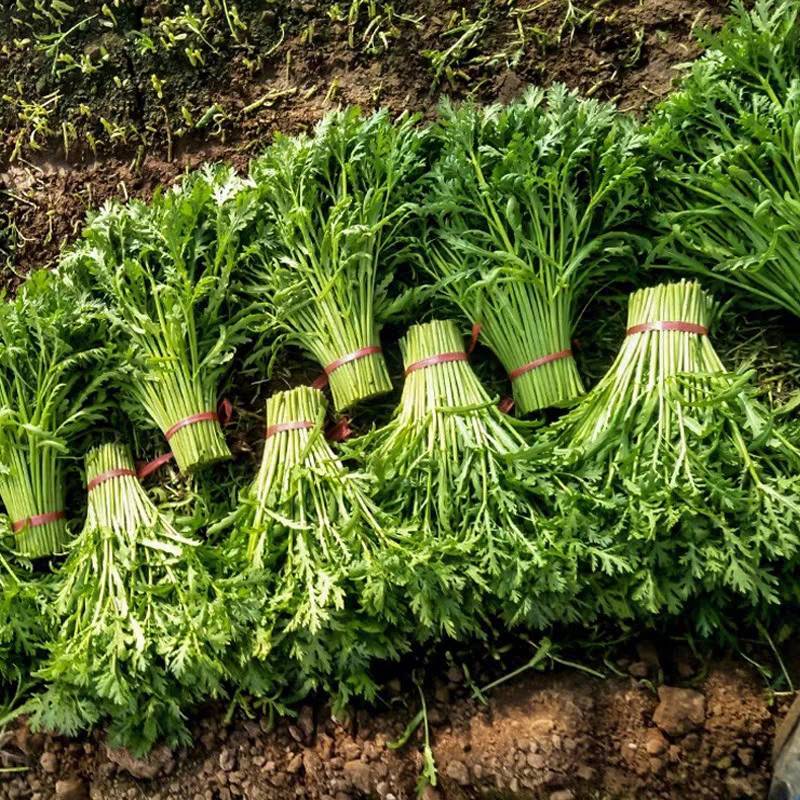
x=442, y=358
x=539, y=362
x=203, y=416
x=143, y=470
x=300, y=425
x=37, y=521
x=506, y=404
x=120, y=472
x=340, y=431
x=476, y=332
x=362, y=353
x=682, y=327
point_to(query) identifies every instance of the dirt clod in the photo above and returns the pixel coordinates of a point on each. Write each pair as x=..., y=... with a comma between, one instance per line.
x=680, y=710
x=71, y=789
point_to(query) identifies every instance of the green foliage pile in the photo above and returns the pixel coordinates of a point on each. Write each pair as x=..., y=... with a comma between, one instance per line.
x=728, y=163
x=671, y=488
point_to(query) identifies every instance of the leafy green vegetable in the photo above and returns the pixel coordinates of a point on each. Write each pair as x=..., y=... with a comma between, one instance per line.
x=164, y=271
x=335, y=207
x=328, y=551
x=479, y=543
x=534, y=204
x=50, y=390
x=728, y=198
x=143, y=626
x=702, y=492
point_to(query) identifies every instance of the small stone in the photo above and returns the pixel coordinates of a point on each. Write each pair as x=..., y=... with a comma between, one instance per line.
x=455, y=674
x=295, y=765
x=562, y=794
x=227, y=760
x=536, y=760
x=305, y=721
x=159, y=760
x=458, y=771
x=648, y=653
x=654, y=742
x=296, y=733
x=745, y=755
x=49, y=762
x=71, y=789
x=738, y=788
x=359, y=775
x=586, y=773
x=638, y=669
x=679, y=710
x=394, y=686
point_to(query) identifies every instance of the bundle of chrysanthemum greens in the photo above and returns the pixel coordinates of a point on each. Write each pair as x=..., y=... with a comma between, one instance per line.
x=728, y=198
x=703, y=493
x=335, y=206
x=477, y=544
x=164, y=269
x=329, y=551
x=533, y=202
x=49, y=391
x=143, y=627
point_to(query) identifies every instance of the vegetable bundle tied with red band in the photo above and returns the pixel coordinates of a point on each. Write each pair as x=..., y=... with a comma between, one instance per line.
x=328, y=550
x=531, y=204
x=479, y=542
x=50, y=379
x=143, y=626
x=702, y=494
x=335, y=207
x=164, y=271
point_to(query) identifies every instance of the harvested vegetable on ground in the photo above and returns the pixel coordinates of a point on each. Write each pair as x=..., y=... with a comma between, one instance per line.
x=50, y=390
x=329, y=553
x=478, y=542
x=533, y=204
x=143, y=627
x=164, y=269
x=703, y=492
x=727, y=192
x=335, y=209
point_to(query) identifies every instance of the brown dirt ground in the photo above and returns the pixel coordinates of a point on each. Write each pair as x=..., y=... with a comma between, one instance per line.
x=561, y=736
x=556, y=736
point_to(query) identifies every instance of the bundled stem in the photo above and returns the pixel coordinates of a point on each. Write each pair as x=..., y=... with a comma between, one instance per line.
x=702, y=492
x=479, y=544
x=335, y=206
x=49, y=391
x=532, y=202
x=143, y=628
x=165, y=271
x=311, y=522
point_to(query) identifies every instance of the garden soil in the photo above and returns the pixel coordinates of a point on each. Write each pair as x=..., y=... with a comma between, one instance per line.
x=686, y=728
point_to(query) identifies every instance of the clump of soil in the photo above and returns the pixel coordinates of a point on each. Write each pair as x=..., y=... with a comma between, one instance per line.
x=561, y=736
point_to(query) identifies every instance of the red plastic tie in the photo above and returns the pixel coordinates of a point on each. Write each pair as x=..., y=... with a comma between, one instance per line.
x=322, y=380
x=37, y=521
x=203, y=416
x=340, y=431
x=149, y=467
x=476, y=332
x=506, y=404
x=681, y=327
x=442, y=358
x=300, y=425
x=120, y=472
x=539, y=362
